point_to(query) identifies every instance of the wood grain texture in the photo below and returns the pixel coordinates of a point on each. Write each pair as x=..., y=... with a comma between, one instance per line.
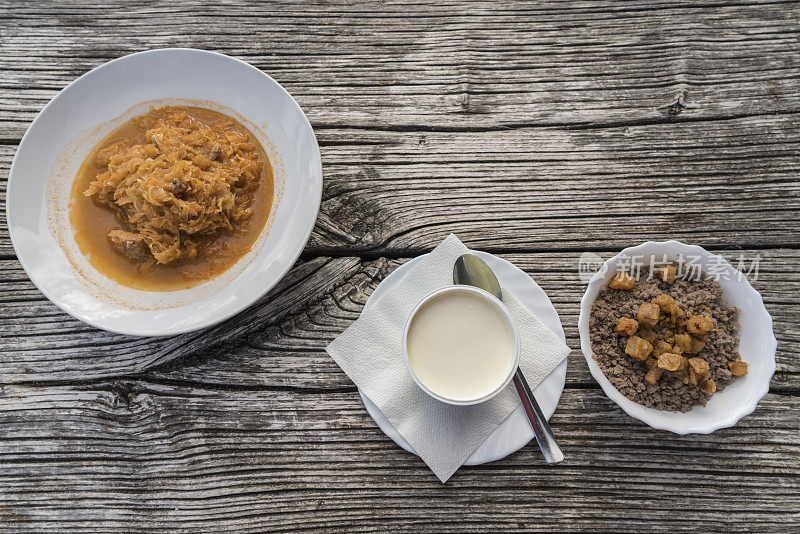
x=555, y=189
x=546, y=112
x=41, y=343
x=168, y=458
x=291, y=354
x=279, y=342
x=440, y=65
x=536, y=130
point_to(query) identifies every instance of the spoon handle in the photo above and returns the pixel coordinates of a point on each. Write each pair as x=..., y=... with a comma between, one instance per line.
x=544, y=436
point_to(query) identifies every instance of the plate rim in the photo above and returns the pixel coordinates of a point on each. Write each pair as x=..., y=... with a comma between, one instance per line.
x=211, y=321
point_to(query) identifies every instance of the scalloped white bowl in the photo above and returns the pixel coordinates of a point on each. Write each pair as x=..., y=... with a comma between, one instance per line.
x=757, y=345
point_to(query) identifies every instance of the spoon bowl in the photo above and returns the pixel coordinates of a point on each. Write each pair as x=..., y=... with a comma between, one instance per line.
x=470, y=270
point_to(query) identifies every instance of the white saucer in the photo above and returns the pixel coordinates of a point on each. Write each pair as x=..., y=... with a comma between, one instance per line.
x=515, y=431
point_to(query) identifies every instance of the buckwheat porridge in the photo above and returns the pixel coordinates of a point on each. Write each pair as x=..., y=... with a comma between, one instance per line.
x=666, y=342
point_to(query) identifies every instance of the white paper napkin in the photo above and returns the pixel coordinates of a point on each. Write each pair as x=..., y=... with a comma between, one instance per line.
x=370, y=352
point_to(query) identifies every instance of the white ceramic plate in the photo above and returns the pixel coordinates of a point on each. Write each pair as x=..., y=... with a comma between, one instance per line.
x=92, y=106
x=757, y=343
x=513, y=433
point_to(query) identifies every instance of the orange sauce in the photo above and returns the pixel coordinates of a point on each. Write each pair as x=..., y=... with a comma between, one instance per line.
x=92, y=221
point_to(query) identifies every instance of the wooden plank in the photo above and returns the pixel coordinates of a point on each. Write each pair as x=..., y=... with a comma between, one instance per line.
x=280, y=341
x=554, y=189
x=292, y=354
x=175, y=458
x=42, y=343
x=435, y=66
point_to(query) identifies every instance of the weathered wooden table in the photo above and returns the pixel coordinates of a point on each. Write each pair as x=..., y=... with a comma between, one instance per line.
x=536, y=131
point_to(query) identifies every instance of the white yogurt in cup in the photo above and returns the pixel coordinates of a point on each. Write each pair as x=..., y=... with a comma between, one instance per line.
x=461, y=345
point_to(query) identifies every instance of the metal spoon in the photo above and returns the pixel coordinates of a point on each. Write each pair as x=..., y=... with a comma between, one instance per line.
x=470, y=270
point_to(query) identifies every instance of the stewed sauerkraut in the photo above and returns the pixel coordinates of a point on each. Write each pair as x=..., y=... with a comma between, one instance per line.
x=186, y=182
x=171, y=198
